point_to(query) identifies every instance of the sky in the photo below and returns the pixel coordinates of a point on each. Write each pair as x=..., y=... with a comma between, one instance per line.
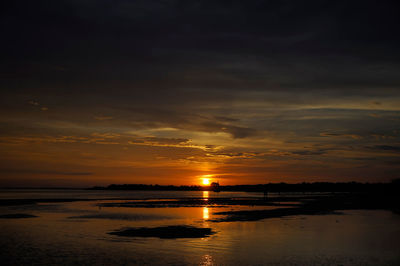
x=95, y=92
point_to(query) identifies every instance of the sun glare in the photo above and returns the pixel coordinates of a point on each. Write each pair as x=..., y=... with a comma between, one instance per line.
x=206, y=181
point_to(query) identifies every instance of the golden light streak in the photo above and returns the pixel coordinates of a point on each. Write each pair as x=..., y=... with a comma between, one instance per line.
x=205, y=195
x=205, y=213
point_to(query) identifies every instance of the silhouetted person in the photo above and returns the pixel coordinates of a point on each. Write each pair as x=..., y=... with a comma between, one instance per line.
x=265, y=193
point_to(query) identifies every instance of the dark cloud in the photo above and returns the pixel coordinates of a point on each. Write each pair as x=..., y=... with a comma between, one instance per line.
x=308, y=152
x=202, y=44
x=386, y=148
x=341, y=135
x=42, y=172
x=157, y=141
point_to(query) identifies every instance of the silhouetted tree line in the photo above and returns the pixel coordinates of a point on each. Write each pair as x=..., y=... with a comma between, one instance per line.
x=149, y=187
x=393, y=186
x=317, y=187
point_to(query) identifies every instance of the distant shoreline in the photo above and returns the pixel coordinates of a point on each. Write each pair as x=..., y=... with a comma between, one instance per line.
x=393, y=186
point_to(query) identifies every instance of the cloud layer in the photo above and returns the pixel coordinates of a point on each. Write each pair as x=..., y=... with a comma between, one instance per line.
x=166, y=91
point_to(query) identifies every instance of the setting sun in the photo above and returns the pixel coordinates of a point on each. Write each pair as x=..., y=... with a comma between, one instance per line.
x=206, y=181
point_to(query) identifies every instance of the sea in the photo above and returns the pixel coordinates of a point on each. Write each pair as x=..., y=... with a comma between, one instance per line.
x=76, y=232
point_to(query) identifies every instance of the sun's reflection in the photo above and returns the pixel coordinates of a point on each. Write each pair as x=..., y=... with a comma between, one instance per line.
x=205, y=209
x=205, y=195
x=207, y=260
x=205, y=213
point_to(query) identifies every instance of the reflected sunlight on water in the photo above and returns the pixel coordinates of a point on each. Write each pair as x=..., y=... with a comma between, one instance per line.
x=205, y=213
x=207, y=260
x=205, y=195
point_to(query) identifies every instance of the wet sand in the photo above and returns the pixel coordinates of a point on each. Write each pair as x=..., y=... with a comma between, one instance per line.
x=317, y=205
x=169, y=232
x=17, y=216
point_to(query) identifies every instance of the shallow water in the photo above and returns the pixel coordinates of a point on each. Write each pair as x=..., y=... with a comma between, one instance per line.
x=113, y=194
x=76, y=233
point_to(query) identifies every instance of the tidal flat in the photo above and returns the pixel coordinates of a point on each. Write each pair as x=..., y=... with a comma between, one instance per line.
x=198, y=228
